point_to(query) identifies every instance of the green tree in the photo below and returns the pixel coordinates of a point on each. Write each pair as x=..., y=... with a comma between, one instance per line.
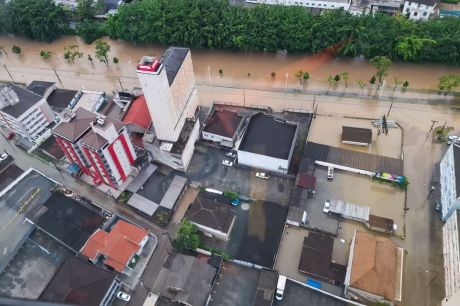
x=16, y=49
x=90, y=30
x=345, y=76
x=36, y=19
x=87, y=9
x=331, y=80
x=448, y=82
x=115, y=60
x=188, y=237
x=409, y=47
x=373, y=80
x=382, y=63
x=396, y=83
x=337, y=78
x=405, y=84
x=72, y=52
x=90, y=58
x=102, y=51
x=306, y=76
x=46, y=54
x=302, y=76
x=361, y=84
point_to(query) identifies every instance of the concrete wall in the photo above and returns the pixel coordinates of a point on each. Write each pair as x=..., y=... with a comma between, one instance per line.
x=263, y=162
x=189, y=148
x=451, y=252
x=447, y=180
x=417, y=11
x=327, y=5
x=216, y=138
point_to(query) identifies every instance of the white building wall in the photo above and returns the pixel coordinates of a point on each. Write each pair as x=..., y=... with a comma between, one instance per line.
x=157, y=93
x=447, y=180
x=189, y=148
x=263, y=162
x=113, y=170
x=451, y=254
x=417, y=11
x=215, y=137
x=327, y=5
x=30, y=123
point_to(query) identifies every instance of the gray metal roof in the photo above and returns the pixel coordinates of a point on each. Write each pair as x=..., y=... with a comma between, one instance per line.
x=172, y=60
x=349, y=210
x=173, y=192
x=353, y=159
x=267, y=135
x=144, y=205
x=40, y=87
x=191, y=276
x=15, y=100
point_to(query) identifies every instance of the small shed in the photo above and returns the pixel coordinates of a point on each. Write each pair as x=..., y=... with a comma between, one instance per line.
x=356, y=136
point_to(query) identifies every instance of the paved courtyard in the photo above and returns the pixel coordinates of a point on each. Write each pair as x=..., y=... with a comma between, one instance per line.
x=206, y=168
x=384, y=200
x=328, y=131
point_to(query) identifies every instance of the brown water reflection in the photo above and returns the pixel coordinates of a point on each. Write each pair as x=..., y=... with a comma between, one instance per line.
x=235, y=65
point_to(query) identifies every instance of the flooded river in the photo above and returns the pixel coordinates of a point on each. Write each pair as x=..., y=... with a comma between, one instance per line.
x=251, y=69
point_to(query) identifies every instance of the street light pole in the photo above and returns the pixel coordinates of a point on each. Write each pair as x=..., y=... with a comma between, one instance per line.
x=209, y=76
x=287, y=75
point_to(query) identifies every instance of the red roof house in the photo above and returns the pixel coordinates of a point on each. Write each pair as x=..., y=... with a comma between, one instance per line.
x=117, y=246
x=138, y=114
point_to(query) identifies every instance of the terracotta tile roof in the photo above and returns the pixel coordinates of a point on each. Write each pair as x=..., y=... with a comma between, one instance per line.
x=74, y=128
x=117, y=246
x=374, y=265
x=138, y=114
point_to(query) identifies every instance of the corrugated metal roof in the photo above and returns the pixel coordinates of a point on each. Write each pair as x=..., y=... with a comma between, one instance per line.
x=349, y=210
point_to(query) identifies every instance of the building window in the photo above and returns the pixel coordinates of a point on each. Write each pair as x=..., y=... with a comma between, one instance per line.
x=424, y=13
x=415, y=14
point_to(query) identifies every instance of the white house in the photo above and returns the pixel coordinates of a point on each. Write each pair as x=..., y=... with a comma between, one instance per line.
x=322, y=4
x=419, y=9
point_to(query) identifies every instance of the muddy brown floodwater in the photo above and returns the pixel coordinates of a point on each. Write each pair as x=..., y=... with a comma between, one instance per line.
x=235, y=65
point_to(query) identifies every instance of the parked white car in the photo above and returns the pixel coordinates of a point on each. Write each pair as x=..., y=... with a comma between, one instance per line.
x=3, y=156
x=227, y=163
x=123, y=296
x=327, y=205
x=262, y=175
x=453, y=139
x=230, y=154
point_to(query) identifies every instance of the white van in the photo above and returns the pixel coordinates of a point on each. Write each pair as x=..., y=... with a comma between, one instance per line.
x=330, y=173
x=280, y=287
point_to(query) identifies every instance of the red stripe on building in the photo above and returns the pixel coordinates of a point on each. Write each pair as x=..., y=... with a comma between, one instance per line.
x=63, y=148
x=116, y=161
x=126, y=147
x=96, y=169
x=101, y=164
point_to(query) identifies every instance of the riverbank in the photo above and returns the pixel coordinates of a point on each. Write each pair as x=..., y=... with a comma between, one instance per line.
x=240, y=69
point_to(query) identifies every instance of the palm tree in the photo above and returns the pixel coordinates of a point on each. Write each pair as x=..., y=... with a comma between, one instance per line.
x=345, y=77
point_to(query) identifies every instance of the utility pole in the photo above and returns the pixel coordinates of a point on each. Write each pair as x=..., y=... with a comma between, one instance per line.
x=4, y=65
x=432, y=125
x=391, y=106
x=57, y=76
x=287, y=75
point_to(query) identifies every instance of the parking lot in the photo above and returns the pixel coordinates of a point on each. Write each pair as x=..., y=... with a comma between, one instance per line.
x=206, y=168
x=289, y=253
x=256, y=234
x=328, y=131
x=384, y=200
x=32, y=267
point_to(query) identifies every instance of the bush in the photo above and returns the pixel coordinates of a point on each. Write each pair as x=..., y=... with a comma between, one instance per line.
x=90, y=31
x=115, y=60
x=188, y=237
x=16, y=49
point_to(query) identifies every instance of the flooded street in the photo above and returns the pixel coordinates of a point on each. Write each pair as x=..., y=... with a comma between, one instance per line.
x=251, y=69
x=423, y=279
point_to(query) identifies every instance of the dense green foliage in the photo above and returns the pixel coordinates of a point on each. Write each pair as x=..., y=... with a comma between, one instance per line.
x=216, y=24
x=36, y=19
x=188, y=237
x=90, y=30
